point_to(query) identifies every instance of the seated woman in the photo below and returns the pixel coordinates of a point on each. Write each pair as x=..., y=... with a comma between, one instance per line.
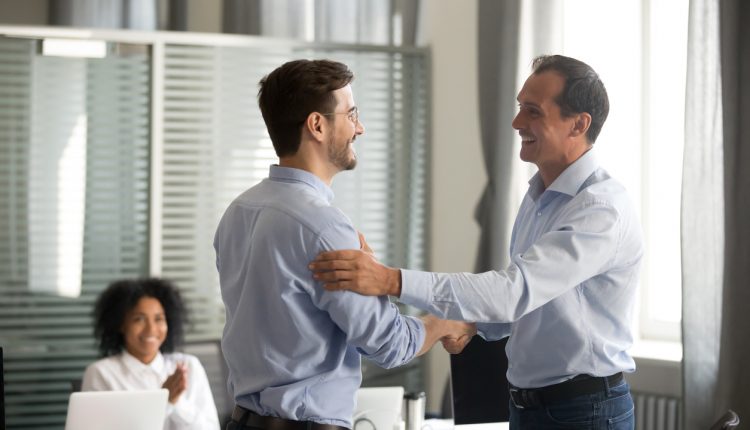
x=138, y=324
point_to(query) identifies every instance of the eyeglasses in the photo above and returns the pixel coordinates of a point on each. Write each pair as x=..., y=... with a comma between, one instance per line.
x=352, y=114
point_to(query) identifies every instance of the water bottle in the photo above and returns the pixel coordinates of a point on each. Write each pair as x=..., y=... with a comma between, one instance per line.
x=414, y=405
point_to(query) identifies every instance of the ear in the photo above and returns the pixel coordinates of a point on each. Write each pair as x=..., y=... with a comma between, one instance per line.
x=317, y=125
x=581, y=124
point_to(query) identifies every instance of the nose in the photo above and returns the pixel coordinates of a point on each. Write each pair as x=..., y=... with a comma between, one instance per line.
x=149, y=327
x=516, y=124
x=360, y=128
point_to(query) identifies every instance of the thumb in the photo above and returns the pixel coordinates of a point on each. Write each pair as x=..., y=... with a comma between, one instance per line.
x=363, y=243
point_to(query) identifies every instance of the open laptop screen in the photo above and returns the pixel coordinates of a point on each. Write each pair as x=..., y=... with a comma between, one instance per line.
x=117, y=410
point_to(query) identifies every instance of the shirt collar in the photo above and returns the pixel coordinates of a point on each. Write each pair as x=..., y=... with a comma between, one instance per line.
x=290, y=174
x=136, y=365
x=570, y=180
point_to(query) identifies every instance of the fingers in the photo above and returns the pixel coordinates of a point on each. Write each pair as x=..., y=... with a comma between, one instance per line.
x=334, y=276
x=339, y=286
x=177, y=382
x=363, y=246
x=456, y=345
x=325, y=266
x=348, y=254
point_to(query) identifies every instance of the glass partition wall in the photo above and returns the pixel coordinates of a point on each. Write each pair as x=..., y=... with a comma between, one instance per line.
x=117, y=158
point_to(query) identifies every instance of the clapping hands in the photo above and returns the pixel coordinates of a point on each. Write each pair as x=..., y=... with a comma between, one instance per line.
x=176, y=383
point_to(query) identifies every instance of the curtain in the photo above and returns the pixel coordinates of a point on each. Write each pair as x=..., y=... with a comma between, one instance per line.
x=373, y=22
x=484, y=364
x=734, y=376
x=131, y=14
x=715, y=231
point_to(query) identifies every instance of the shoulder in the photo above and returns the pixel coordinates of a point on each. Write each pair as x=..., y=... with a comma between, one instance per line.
x=106, y=363
x=294, y=206
x=101, y=373
x=601, y=189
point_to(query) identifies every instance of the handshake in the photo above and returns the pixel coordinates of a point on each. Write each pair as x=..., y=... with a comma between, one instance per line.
x=454, y=335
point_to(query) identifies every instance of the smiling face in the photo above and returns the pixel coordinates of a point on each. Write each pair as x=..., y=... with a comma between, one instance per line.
x=145, y=329
x=545, y=133
x=341, y=153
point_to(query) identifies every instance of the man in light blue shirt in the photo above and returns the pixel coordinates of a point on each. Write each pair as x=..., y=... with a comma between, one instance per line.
x=292, y=348
x=567, y=298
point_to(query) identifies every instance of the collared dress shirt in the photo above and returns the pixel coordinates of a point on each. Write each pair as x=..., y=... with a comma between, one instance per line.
x=194, y=410
x=294, y=349
x=567, y=298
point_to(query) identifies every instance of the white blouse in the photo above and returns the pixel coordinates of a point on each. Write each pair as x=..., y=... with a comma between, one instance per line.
x=195, y=408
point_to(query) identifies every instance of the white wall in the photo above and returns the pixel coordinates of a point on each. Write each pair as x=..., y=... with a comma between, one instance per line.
x=458, y=176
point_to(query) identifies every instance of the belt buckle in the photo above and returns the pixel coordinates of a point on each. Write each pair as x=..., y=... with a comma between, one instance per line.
x=513, y=393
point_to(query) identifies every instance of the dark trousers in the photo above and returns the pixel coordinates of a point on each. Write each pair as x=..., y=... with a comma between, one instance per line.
x=612, y=408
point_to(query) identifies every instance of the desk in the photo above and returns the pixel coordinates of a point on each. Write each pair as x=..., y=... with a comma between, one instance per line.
x=448, y=425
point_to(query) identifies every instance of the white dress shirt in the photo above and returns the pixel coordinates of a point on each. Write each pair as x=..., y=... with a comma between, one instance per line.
x=195, y=409
x=567, y=298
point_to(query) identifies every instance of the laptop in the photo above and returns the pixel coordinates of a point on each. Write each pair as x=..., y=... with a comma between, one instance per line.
x=117, y=410
x=378, y=408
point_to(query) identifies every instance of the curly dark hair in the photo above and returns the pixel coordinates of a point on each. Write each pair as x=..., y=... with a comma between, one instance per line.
x=583, y=91
x=293, y=91
x=122, y=296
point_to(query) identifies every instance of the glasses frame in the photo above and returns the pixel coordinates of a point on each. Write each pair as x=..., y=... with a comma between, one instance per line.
x=352, y=114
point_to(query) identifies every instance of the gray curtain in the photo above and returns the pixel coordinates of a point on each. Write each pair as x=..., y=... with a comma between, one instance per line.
x=131, y=14
x=734, y=374
x=480, y=386
x=715, y=214
x=239, y=16
x=340, y=21
x=499, y=27
x=702, y=220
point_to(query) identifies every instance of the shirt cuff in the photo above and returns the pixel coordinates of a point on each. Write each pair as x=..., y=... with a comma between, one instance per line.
x=416, y=288
x=181, y=412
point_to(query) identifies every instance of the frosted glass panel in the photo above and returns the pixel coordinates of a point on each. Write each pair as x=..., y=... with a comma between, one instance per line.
x=73, y=205
x=57, y=176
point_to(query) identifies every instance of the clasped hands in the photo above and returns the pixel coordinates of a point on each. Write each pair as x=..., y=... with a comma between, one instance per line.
x=457, y=334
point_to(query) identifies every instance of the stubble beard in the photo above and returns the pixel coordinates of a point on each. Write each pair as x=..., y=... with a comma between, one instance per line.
x=340, y=157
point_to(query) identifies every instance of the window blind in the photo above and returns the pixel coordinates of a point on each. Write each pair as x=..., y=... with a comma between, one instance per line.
x=48, y=339
x=214, y=145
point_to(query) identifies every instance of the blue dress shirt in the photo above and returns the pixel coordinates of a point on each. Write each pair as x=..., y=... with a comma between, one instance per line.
x=567, y=298
x=293, y=349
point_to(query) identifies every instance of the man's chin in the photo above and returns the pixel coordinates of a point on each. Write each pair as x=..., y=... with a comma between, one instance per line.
x=526, y=156
x=351, y=165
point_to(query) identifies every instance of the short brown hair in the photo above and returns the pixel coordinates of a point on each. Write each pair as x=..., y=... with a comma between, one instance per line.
x=583, y=90
x=292, y=92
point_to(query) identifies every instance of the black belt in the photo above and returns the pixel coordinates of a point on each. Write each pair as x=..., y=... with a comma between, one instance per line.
x=578, y=386
x=248, y=418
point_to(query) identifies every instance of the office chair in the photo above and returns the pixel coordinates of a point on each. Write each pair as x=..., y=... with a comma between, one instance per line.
x=75, y=385
x=729, y=420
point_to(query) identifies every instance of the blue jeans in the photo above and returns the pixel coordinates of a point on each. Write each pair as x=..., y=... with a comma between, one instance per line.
x=609, y=409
